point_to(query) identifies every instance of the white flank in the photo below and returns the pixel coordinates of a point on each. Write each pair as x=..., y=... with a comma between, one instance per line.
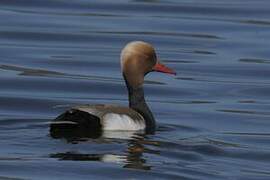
x=112, y=121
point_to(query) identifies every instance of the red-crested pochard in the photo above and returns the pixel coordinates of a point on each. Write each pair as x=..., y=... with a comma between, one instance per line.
x=137, y=59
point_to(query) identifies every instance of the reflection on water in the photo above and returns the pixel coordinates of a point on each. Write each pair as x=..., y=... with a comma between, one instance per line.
x=132, y=157
x=213, y=117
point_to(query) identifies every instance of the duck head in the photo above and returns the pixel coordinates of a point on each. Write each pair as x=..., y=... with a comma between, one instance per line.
x=138, y=58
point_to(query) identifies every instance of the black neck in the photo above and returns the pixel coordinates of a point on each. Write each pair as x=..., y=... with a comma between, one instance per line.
x=137, y=102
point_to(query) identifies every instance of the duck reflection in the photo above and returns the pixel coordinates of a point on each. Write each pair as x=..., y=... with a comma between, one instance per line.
x=132, y=157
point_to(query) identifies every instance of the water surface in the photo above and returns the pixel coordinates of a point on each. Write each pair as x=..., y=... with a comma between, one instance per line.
x=213, y=117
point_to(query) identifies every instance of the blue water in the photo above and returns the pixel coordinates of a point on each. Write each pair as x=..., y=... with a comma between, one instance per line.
x=213, y=117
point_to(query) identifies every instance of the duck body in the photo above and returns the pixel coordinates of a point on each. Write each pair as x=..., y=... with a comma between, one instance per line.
x=106, y=117
x=93, y=120
x=137, y=59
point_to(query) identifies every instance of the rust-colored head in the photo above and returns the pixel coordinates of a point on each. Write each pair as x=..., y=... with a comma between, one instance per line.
x=139, y=58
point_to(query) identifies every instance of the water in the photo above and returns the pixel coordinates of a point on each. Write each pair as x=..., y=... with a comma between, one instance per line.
x=213, y=116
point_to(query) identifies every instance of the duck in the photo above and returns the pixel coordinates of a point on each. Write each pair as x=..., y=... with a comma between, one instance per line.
x=137, y=59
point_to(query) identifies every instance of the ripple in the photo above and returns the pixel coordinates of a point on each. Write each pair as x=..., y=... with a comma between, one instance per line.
x=169, y=128
x=10, y=178
x=40, y=72
x=248, y=134
x=248, y=101
x=249, y=112
x=29, y=71
x=178, y=61
x=256, y=22
x=222, y=80
x=256, y=61
x=203, y=36
x=257, y=172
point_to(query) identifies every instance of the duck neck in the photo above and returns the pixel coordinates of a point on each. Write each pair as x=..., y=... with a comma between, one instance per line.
x=137, y=102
